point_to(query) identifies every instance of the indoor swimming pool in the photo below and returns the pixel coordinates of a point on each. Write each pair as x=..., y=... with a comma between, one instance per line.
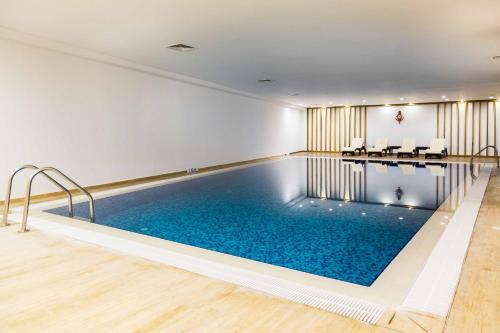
x=339, y=219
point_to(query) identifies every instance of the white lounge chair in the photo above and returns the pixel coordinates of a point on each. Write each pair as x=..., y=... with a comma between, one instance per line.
x=437, y=149
x=379, y=148
x=408, y=148
x=357, y=145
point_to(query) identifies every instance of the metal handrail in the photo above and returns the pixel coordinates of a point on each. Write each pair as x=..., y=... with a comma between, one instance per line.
x=28, y=195
x=9, y=192
x=471, y=166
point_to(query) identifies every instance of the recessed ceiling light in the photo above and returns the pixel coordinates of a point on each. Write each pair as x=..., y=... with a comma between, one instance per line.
x=443, y=96
x=447, y=99
x=364, y=101
x=402, y=99
x=330, y=102
x=341, y=104
x=491, y=97
x=301, y=104
x=181, y=47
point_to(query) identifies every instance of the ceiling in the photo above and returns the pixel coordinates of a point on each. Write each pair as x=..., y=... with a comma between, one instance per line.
x=327, y=51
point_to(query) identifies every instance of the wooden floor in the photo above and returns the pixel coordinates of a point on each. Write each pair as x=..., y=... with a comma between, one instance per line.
x=50, y=284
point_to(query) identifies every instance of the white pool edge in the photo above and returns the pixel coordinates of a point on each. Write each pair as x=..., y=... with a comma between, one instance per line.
x=435, y=286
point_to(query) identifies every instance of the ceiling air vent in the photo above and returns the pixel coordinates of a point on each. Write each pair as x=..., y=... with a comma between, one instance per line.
x=181, y=47
x=265, y=81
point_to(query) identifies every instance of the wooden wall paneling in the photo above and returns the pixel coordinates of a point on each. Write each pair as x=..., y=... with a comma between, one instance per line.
x=451, y=128
x=487, y=128
x=465, y=127
x=330, y=132
x=495, y=124
x=458, y=128
x=473, y=128
x=364, y=133
x=444, y=120
x=479, y=123
x=307, y=129
x=437, y=121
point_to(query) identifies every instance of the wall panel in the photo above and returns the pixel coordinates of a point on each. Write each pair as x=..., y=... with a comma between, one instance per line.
x=466, y=127
x=330, y=129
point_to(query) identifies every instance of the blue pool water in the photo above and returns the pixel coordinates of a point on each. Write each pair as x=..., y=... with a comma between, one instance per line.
x=288, y=213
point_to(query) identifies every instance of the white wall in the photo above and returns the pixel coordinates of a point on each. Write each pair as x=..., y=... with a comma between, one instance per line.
x=419, y=123
x=101, y=123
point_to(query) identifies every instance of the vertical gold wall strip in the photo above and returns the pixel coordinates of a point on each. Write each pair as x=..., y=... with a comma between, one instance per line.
x=444, y=120
x=339, y=125
x=326, y=133
x=458, y=129
x=451, y=128
x=364, y=129
x=313, y=130
x=479, y=126
x=437, y=120
x=311, y=135
x=316, y=130
x=307, y=130
x=488, y=127
x=325, y=137
x=335, y=129
x=320, y=129
x=465, y=127
x=473, y=127
x=360, y=113
x=355, y=122
x=350, y=136
x=331, y=133
x=495, y=123
x=345, y=134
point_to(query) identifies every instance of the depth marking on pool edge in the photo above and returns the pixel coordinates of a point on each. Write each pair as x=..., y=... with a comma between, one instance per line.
x=325, y=300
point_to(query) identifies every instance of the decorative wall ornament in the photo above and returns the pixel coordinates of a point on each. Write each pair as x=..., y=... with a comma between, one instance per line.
x=399, y=117
x=398, y=192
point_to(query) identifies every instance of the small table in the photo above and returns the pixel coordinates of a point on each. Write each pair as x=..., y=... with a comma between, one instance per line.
x=391, y=148
x=419, y=148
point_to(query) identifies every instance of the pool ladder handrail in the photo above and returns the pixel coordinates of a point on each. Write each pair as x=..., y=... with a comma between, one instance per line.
x=27, y=197
x=471, y=166
x=8, y=193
